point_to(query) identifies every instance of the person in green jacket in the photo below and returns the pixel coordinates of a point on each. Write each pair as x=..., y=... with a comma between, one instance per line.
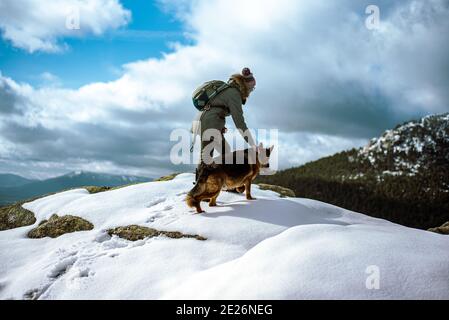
x=228, y=102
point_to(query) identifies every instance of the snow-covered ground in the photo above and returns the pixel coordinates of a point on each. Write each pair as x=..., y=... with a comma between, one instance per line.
x=270, y=248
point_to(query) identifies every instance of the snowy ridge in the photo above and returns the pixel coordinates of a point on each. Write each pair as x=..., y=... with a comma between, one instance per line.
x=409, y=148
x=270, y=248
x=102, y=176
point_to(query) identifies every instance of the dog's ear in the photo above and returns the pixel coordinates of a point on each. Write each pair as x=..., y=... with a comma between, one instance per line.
x=260, y=147
x=269, y=150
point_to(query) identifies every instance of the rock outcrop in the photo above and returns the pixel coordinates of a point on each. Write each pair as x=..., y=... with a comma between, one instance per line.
x=15, y=216
x=168, y=177
x=443, y=229
x=135, y=232
x=283, y=191
x=57, y=226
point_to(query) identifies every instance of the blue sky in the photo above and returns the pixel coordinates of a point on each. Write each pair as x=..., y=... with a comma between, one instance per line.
x=97, y=58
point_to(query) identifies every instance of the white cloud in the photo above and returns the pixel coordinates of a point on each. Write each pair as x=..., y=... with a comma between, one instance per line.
x=323, y=79
x=37, y=25
x=49, y=79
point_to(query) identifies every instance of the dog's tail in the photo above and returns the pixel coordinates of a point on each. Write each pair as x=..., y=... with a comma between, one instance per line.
x=191, y=198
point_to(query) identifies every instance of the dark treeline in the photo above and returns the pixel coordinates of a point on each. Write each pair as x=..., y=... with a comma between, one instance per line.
x=417, y=201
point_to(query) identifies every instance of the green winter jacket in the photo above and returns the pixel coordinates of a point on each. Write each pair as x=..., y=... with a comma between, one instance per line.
x=226, y=103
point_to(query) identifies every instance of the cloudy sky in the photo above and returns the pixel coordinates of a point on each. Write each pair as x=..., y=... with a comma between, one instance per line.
x=106, y=96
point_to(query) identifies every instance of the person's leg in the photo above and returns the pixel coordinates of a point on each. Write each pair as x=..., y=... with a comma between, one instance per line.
x=204, y=144
x=207, y=151
x=225, y=149
x=208, y=147
x=206, y=156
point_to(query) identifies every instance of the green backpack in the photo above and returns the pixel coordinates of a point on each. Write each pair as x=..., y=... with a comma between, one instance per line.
x=206, y=92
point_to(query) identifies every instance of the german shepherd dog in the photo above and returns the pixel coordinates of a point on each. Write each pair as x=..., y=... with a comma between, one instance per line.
x=212, y=178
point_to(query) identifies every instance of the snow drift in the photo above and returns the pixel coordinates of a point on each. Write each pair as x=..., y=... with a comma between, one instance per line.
x=270, y=248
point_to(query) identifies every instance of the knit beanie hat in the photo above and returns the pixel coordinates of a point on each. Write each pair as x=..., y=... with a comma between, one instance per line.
x=249, y=78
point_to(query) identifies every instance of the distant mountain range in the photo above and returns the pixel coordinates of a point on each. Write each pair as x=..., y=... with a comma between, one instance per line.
x=13, y=180
x=14, y=188
x=402, y=176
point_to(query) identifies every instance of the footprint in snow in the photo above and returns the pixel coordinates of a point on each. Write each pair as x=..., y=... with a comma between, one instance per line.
x=58, y=270
x=156, y=201
x=61, y=267
x=156, y=214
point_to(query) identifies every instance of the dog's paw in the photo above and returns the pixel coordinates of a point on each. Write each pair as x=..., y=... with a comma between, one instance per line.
x=251, y=198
